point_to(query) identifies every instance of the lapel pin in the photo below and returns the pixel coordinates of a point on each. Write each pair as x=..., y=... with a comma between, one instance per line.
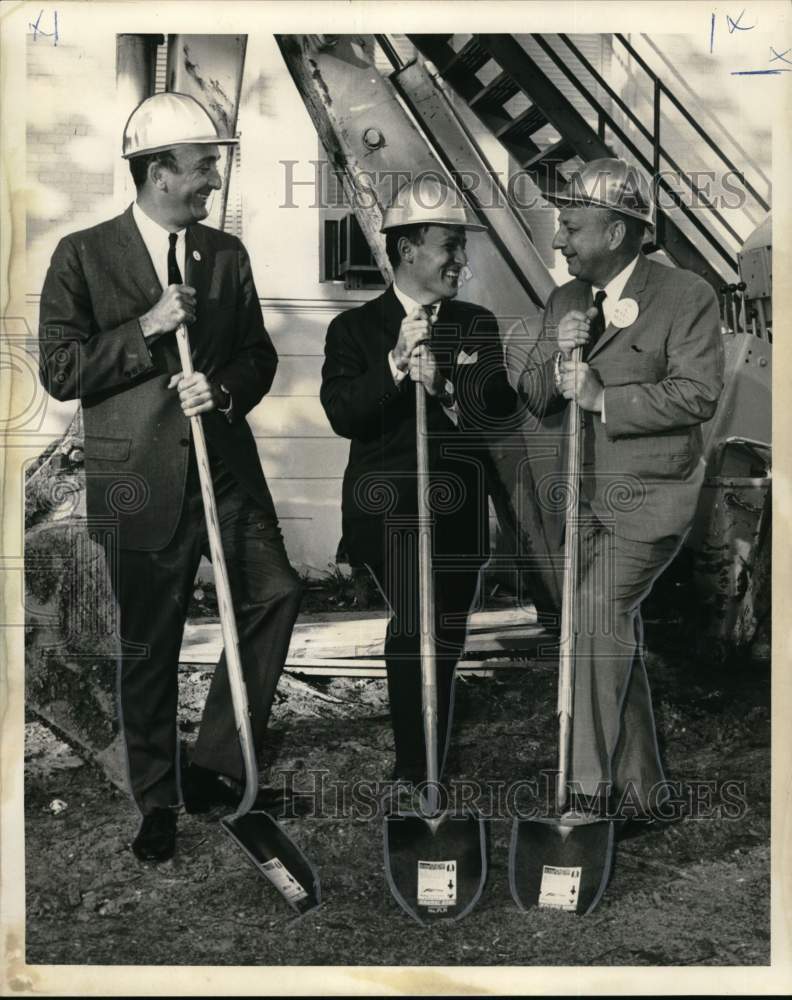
x=625, y=313
x=196, y=255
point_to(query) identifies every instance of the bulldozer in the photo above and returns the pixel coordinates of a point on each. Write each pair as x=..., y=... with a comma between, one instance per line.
x=386, y=106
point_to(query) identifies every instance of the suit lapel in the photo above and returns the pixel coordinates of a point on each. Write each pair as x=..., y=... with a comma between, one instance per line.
x=392, y=316
x=198, y=269
x=448, y=336
x=137, y=263
x=632, y=290
x=198, y=263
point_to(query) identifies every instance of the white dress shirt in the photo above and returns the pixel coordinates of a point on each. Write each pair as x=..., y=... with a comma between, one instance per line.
x=155, y=237
x=410, y=305
x=613, y=290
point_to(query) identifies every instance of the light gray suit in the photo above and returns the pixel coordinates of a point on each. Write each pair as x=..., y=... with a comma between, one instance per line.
x=643, y=470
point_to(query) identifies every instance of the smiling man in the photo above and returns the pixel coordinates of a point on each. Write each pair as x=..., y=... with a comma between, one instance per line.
x=651, y=374
x=372, y=357
x=112, y=299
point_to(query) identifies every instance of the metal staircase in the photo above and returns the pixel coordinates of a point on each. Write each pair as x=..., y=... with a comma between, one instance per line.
x=384, y=109
x=550, y=133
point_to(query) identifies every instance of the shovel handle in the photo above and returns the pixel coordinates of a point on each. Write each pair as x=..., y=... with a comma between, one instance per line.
x=223, y=587
x=566, y=659
x=426, y=597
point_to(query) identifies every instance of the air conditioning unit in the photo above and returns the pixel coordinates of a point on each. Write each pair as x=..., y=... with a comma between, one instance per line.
x=347, y=256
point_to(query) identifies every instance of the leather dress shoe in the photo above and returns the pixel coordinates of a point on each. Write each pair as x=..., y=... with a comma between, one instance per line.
x=203, y=789
x=156, y=838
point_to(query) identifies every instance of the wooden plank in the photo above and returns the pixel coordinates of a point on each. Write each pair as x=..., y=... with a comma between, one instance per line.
x=490, y=634
x=374, y=667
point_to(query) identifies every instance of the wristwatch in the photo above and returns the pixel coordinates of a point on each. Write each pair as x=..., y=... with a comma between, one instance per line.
x=446, y=397
x=557, y=369
x=225, y=407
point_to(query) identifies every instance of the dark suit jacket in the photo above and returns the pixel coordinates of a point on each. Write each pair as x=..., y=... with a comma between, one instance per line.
x=100, y=281
x=363, y=403
x=663, y=376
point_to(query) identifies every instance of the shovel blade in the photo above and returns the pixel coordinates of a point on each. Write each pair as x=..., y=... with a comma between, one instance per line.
x=560, y=865
x=436, y=868
x=275, y=855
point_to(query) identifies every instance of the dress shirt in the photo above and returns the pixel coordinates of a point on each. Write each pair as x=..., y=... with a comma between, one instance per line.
x=613, y=290
x=410, y=305
x=155, y=239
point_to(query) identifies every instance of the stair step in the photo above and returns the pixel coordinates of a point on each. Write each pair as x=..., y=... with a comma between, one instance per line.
x=433, y=47
x=557, y=153
x=523, y=126
x=495, y=94
x=468, y=61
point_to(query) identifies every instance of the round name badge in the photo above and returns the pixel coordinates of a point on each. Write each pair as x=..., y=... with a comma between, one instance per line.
x=625, y=313
x=196, y=255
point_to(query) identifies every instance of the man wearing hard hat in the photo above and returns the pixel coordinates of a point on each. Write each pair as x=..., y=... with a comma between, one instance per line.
x=651, y=374
x=374, y=354
x=112, y=299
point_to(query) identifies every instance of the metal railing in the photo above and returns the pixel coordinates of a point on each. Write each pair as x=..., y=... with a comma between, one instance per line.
x=658, y=150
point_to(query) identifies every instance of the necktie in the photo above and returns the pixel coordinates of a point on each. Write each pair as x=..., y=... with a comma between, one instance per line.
x=597, y=326
x=174, y=274
x=168, y=344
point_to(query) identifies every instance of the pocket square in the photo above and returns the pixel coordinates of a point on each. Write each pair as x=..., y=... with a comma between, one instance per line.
x=467, y=359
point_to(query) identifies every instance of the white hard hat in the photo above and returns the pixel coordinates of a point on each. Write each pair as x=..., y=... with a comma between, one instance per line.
x=166, y=120
x=428, y=201
x=611, y=183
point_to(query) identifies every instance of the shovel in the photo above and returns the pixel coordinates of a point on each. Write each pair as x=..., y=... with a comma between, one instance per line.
x=265, y=843
x=435, y=862
x=563, y=864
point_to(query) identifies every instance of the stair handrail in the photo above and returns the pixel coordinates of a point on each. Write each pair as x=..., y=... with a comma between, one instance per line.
x=653, y=137
x=690, y=119
x=692, y=217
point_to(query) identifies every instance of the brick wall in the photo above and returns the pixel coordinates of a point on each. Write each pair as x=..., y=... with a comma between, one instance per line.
x=69, y=158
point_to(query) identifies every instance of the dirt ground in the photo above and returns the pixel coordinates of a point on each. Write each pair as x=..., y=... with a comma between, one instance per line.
x=693, y=892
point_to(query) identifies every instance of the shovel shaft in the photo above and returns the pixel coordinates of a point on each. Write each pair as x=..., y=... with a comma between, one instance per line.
x=223, y=587
x=426, y=598
x=566, y=663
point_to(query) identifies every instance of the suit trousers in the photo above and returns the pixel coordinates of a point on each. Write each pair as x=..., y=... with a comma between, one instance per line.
x=153, y=589
x=614, y=742
x=456, y=581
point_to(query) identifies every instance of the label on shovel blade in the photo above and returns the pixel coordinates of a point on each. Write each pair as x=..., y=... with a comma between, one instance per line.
x=560, y=888
x=283, y=880
x=437, y=883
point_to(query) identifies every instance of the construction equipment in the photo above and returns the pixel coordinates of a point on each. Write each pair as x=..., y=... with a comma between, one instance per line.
x=259, y=835
x=435, y=862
